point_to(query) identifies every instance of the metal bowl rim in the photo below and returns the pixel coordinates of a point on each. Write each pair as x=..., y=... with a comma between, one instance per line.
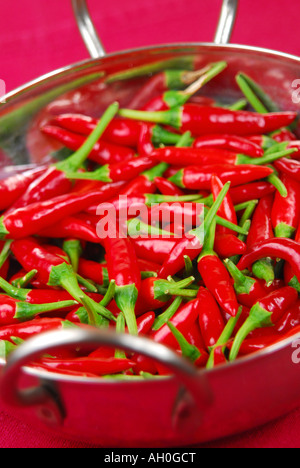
x=235, y=47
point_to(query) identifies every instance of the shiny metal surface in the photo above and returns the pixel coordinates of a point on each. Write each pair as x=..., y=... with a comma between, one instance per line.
x=247, y=393
x=87, y=29
x=226, y=22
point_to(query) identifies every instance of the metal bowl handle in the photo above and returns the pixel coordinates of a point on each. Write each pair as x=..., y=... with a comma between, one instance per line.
x=97, y=50
x=194, y=395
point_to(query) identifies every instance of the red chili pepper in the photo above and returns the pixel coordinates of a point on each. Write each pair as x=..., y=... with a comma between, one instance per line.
x=32, y=219
x=86, y=365
x=122, y=132
x=199, y=178
x=248, y=289
x=251, y=191
x=122, y=266
x=54, y=271
x=14, y=186
x=216, y=277
x=283, y=248
x=102, y=152
x=125, y=170
x=186, y=156
x=230, y=143
x=210, y=318
x=265, y=313
x=33, y=327
x=286, y=210
x=207, y=120
x=14, y=311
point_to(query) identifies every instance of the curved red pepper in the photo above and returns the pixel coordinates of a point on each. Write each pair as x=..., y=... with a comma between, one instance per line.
x=284, y=248
x=207, y=120
x=199, y=178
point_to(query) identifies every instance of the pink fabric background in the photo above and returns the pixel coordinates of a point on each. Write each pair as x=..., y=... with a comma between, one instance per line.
x=37, y=37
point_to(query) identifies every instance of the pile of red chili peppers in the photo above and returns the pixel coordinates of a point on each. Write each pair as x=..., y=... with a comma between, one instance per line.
x=206, y=259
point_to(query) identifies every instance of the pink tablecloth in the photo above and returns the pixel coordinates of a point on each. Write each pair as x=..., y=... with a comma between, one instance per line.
x=37, y=37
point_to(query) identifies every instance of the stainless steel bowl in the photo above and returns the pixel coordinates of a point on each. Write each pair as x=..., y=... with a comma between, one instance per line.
x=191, y=407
